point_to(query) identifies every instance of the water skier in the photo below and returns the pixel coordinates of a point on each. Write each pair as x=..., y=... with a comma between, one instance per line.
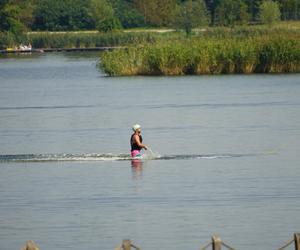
x=136, y=142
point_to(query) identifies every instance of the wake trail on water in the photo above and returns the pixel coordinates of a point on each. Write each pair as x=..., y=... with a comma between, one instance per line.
x=110, y=157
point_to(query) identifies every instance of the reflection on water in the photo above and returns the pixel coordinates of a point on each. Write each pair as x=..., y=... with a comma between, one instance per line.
x=63, y=55
x=19, y=56
x=137, y=169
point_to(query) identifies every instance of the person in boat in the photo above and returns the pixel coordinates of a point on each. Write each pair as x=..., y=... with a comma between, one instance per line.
x=136, y=141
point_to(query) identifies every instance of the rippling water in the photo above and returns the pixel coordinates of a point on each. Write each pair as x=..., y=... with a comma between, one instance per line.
x=225, y=161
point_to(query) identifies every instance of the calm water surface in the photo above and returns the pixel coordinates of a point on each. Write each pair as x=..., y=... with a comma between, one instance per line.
x=228, y=162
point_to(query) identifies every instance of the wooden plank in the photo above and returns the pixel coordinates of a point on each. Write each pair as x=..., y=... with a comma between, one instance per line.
x=216, y=242
x=126, y=245
x=30, y=245
x=297, y=241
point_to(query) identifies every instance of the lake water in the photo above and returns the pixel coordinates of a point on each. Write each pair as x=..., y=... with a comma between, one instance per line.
x=226, y=147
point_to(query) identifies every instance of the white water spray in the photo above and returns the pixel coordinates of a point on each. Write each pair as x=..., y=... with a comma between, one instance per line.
x=150, y=155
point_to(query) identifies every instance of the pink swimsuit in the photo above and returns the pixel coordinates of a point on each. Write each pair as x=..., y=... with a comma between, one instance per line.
x=135, y=153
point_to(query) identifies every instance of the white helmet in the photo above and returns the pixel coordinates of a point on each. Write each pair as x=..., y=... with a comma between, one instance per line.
x=135, y=127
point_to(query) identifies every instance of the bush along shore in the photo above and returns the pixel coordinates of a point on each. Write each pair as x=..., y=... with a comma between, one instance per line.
x=206, y=56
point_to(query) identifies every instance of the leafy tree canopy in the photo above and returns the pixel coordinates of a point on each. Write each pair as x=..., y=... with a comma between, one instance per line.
x=290, y=9
x=231, y=12
x=156, y=12
x=17, y=16
x=103, y=15
x=269, y=12
x=61, y=15
x=191, y=14
x=129, y=16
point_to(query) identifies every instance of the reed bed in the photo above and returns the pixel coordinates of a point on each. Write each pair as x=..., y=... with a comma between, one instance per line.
x=88, y=40
x=76, y=39
x=10, y=40
x=206, y=56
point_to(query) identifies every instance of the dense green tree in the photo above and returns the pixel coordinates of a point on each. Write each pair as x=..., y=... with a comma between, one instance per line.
x=54, y=15
x=3, y=15
x=103, y=15
x=146, y=8
x=27, y=11
x=211, y=7
x=290, y=9
x=62, y=15
x=191, y=14
x=156, y=12
x=269, y=12
x=166, y=12
x=15, y=15
x=253, y=8
x=127, y=14
x=231, y=12
x=9, y=18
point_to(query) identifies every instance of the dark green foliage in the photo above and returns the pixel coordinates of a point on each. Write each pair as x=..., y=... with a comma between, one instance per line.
x=290, y=9
x=231, y=12
x=279, y=55
x=103, y=16
x=66, y=15
x=15, y=15
x=59, y=15
x=253, y=9
x=269, y=12
x=190, y=14
x=109, y=24
x=127, y=14
x=156, y=12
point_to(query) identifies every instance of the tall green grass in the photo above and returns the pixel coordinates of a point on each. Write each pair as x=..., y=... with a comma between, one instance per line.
x=10, y=40
x=87, y=40
x=76, y=40
x=206, y=56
